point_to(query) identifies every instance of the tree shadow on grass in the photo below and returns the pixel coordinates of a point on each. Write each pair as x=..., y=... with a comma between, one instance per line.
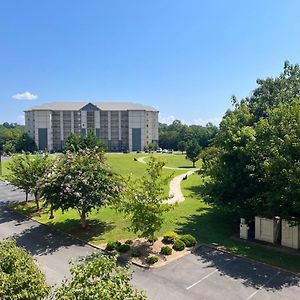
x=217, y=225
x=72, y=226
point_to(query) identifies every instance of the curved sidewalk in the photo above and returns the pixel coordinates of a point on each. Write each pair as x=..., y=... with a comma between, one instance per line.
x=175, y=193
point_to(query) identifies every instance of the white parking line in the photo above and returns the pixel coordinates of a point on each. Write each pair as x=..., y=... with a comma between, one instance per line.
x=260, y=288
x=211, y=273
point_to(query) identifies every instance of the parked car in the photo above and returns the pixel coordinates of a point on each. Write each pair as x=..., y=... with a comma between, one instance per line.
x=165, y=151
x=159, y=150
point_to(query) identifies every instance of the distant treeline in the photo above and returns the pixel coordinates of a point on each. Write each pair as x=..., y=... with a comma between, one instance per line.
x=172, y=136
x=14, y=139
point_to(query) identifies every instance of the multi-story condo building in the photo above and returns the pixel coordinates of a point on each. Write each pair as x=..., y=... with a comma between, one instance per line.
x=121, y=126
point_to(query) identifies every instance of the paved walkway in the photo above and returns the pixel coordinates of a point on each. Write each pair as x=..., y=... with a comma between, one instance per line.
x=175, y=193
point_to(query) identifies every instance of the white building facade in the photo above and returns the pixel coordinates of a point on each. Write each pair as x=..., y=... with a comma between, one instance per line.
x=121, y=126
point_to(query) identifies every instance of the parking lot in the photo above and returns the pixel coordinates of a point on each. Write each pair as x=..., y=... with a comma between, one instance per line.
x=205, y=274
x=211, y=274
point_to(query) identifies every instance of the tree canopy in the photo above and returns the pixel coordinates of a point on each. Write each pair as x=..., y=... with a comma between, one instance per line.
x=171, y=135
x=74, y=142
x=254, y=165
x=98, y=277
x=143, y=200
x=82, y=181
x=20, y=277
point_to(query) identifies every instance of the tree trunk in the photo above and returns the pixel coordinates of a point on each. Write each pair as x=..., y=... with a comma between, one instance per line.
x=51, y=211
x=36, y=198
x=83, y=219
x=26, y=197
x=193, y=164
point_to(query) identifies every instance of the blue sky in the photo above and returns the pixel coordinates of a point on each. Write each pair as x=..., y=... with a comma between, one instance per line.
x=184, y=57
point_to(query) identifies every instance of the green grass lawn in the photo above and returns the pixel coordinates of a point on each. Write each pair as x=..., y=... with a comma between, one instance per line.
x=5, y=170
x=194, y=216
x=175, y=160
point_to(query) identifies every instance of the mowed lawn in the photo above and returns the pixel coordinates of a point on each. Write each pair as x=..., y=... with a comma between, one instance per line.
x=176, y=160
x=194, y=216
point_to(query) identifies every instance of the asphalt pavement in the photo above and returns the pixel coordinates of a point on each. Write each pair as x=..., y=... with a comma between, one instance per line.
x=205, y=274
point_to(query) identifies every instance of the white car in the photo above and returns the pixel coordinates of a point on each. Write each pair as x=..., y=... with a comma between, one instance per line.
x=159, y=150
x=165, y=151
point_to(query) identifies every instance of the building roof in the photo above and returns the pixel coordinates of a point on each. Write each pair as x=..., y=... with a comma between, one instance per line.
x=110, y=106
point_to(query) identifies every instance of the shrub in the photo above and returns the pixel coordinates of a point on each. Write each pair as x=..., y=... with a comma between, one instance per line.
x=129, y=242
x=151, y=260
x=188, y=240
x=113, y=246
x=123, y=248
x=166, y=250
x=136, y=253
x=178, y=245
x=97, y=277
x=20, y=277
x=170, y=237
x=152, y=240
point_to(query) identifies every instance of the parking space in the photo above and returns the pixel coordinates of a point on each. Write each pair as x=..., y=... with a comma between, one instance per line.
x=211, y=274
x=205, y=274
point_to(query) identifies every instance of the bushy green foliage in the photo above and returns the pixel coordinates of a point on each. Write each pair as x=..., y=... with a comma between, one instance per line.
x=151, y=260
x=169, y=237
x=178, y=245
x=254, y=166
x=123, y=248
x=113, y=246
x=136, y=253
x=81, y=181
x=188, y=240
x=20, y=277
x=193, y=151
x=143, y=200
x=26, y=170
x=98, y=277
x=166, y=250
x=74, y=143
x=20, y=172
x=9, y=134
x=171, y=135
x=25, y=143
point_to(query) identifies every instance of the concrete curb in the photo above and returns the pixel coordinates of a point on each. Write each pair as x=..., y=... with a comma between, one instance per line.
x=218, y=248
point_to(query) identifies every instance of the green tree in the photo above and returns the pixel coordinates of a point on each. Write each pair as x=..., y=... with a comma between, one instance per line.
x=255, y=170
x=144, y=201
x=20, y=277
x=182, y=146
x=72, y=143
x=19, y=174
x=37, y=167
x=81, y=181
x=25, y=143
x=9, y=147
x=91, y=141
x=98, y=277
x=193, y=151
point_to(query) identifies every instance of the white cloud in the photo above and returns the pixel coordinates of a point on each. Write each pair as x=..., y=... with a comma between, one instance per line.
x=198, y=121
x=25, y=96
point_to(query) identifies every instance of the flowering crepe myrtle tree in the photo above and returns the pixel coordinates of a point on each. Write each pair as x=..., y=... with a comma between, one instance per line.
x=81, y=181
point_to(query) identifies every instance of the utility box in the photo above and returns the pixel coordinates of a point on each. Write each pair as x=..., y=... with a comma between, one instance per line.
x=290, y=235
x=267, y=230
x=244, y=228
